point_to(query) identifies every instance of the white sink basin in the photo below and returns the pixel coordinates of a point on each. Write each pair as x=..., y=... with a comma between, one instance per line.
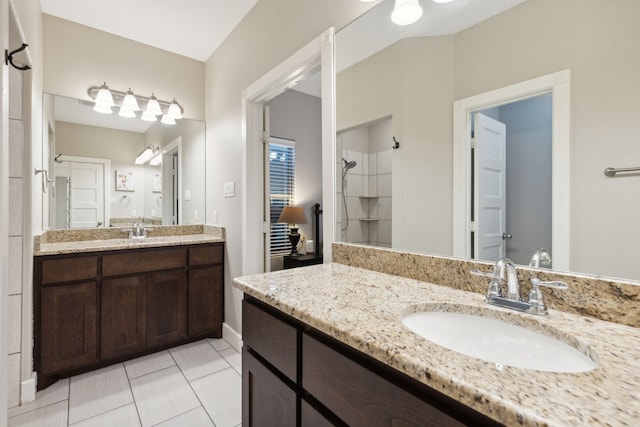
x=498, y=342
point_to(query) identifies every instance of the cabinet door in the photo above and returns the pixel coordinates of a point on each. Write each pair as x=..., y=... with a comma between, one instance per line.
x=205, y=301
x=68, y=327
x=266, y=400
x=123, y=316
x=167, y=307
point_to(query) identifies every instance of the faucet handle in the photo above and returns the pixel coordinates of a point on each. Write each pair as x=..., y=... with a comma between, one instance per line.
x=555, y=284
x=481, y=273
x=536, y=298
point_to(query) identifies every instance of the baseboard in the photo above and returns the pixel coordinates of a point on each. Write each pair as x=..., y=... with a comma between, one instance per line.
x=232, y=337
x=28, y=389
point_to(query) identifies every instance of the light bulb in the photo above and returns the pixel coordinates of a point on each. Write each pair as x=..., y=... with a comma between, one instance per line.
x=167, y=120
x=406, y=12
x=148, y=117
x=126, y=113
x=104, y=109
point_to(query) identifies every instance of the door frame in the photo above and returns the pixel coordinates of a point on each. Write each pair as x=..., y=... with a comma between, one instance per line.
x=316, y=55
x=558, y=84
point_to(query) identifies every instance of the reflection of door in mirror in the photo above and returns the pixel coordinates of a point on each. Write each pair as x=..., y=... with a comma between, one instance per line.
x=512, y=203
x=171, y=183
x=82, y=200
x=364, y=190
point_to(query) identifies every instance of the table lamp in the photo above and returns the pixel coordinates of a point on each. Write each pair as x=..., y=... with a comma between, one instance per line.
x=293, y=215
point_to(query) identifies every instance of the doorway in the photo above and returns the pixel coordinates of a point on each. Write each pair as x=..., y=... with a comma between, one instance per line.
x=557, y=85
x=316, y=56
x=511, y=192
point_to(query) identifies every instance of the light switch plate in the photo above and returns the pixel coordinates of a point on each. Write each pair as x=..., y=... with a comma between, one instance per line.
x=187, y=195
x=229, y=189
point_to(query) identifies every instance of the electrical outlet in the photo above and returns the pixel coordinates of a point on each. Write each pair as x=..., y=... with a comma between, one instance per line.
x=133, y=212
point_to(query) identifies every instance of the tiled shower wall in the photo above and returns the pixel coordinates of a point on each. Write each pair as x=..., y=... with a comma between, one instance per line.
x=16, y=233
x=367, y=187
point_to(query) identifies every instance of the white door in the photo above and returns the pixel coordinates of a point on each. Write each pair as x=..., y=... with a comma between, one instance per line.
x=489, y=188
x=86, y=196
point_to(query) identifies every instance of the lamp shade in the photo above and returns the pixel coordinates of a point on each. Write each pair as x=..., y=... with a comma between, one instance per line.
x=153, y=106
x=104, y=97
x=148, y=117
x=174, y=110
x=167, y=120
x=293, y=215
x=130, y=102
x=406, y=12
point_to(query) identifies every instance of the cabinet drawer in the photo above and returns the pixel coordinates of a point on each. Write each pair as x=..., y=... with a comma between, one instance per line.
x=144, y=261
x=69, y=269
x=201, y=255
x=345, y=387
x=272, y=338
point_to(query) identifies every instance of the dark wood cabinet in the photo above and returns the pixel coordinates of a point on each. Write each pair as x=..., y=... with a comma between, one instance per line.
x=332, y=384
x=95, y=309
x=206, y=285
x=301, y=260
x=69, y=326
x=123, y=316
x=166, y=307
x=266, y=400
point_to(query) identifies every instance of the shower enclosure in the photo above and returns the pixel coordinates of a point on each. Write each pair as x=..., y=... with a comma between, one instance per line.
x=364, y=191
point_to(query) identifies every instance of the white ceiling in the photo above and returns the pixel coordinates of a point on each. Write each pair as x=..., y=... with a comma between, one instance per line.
x=193, y=28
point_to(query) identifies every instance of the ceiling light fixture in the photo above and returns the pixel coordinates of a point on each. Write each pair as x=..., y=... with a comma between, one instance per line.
x=406, y=12
x=156, y=160
x=130, y=103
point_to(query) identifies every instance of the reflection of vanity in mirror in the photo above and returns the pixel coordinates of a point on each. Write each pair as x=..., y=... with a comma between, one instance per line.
x=561, y=77
x=94, y=180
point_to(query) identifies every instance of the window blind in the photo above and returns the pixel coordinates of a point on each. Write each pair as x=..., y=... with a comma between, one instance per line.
x=282, y=159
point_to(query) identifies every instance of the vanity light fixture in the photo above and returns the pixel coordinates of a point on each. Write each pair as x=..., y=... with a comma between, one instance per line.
x=145, y=156
x=130, y=103
x=406, y=12
x=157, y=159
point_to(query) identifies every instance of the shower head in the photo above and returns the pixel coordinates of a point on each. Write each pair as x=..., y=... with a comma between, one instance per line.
x=349, y=165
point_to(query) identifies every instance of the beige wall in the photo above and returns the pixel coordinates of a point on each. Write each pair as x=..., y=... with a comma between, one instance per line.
x=597, y=42
x=77, y=57
x=271, y=32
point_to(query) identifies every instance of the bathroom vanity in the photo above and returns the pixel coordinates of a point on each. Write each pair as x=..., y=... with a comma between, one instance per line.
x=99, y=302
x=326, y=345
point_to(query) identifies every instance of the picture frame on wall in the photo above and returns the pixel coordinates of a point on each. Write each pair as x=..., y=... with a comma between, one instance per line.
x=125, y=180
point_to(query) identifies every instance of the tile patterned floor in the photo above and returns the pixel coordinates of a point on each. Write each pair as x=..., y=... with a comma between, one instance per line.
x=196, y=384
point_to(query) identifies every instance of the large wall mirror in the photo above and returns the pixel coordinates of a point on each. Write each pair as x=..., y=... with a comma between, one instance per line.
x=464, y=105
x=93, y=179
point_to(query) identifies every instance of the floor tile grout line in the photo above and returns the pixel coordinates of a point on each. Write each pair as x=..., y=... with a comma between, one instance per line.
x=135, y=403
x=191, y=387
x=42, y=407
x=101, y=414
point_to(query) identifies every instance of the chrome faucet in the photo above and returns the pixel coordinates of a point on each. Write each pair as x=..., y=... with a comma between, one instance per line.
x=540, y=257
x=138, y=231
x=505, y=271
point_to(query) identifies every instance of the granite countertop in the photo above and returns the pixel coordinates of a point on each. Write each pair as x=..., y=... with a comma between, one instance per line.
x=80, y=241
x=363, y=309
